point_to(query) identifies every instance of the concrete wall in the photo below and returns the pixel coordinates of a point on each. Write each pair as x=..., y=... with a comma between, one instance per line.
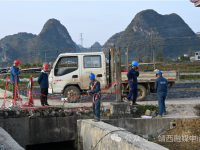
x=30, y=131
x=7, y=142
x=90, y=133
x=151, y=127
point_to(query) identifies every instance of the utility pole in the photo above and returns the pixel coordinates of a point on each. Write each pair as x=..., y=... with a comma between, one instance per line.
x=126, y=58
x=81, y=39
x=57, y=51
x=35, y=57
x=152, y=51
x=67, y=58
x=151, y=45
x=118, y=73
x=45, y=57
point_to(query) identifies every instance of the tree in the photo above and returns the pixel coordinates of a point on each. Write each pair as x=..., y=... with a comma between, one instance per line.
x=159, y=57
x=140, y=55
x=147, y=59
x=191, y=53
x=182, y=58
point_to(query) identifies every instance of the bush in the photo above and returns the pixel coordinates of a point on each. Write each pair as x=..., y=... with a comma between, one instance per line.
x=25, y=65
x=159, y=57
x=182, y=58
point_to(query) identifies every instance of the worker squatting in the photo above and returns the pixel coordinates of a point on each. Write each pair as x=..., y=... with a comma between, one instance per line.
x=94, y=88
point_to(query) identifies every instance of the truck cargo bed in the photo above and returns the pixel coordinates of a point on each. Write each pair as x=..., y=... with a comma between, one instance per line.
x=151, y=76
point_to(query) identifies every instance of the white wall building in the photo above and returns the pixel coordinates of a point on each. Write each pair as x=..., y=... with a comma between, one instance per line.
x=196, y=57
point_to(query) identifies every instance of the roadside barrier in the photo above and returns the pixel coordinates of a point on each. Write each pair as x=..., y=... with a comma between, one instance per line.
x=26, y=98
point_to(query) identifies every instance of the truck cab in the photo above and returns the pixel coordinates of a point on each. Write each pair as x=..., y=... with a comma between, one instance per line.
x=69, y=74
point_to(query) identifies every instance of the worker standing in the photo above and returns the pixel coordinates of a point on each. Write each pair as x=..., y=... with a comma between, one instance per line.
x=161, y=87
x=95, y=92
x=14, y=76
x=44, y=85
x=132, y=75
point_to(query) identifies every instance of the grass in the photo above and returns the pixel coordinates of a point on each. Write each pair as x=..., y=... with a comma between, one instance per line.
x=22, y=83
x=189, y=77
x=25, y=83
x=28, y=74
x=143, y=108
x=3, y=84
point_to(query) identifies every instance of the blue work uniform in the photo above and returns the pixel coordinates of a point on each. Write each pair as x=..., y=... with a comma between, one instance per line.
x=14, y=73
x=133, y=90
x=161, y=87
x=44, y=85
x=95, y=90
x=43, y=79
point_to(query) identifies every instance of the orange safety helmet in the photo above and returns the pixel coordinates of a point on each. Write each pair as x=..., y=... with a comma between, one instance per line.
x=16, y=62
x=45, y=66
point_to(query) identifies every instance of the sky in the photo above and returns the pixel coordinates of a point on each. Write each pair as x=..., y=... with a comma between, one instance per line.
x=97, y=20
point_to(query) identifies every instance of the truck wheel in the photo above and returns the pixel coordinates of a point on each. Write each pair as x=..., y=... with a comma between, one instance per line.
x=70, y=92
x=142, y=92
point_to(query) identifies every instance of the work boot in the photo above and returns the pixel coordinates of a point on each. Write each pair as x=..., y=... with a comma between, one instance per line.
x=164, y=113
x=125, y=100
x=96, y=120
x=159, y=116
x=134, y=104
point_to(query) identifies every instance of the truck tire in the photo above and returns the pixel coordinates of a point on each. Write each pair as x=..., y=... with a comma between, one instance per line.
x=71, y=91
x=142, y=92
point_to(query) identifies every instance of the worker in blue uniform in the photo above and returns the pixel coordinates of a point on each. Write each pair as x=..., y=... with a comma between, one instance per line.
x=95, y=92
x=161, y=87
x=132, y=75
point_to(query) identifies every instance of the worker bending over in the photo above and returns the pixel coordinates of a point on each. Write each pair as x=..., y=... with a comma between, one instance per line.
x=95, y=92
x=132, y=75
x=161, y=87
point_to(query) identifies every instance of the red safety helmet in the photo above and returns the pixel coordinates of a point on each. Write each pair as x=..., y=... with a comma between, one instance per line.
x=45, y=66
x=16, y=62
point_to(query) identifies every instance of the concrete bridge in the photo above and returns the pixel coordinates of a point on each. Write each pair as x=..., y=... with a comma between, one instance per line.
x=30, y=131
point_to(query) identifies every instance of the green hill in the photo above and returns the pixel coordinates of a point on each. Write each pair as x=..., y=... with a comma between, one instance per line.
x=138, y=35
x=25, y=47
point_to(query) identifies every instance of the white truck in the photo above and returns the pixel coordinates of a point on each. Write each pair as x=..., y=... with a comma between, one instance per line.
x=69, y=75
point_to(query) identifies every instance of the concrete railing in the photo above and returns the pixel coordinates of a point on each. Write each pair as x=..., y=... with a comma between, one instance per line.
x=102, y=136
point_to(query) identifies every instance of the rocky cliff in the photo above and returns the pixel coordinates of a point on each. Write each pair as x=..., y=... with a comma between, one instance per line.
x=164, y=27
x=26, y=46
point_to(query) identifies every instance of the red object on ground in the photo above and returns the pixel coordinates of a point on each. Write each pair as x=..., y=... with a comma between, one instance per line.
x=124, y=70
x=45, y=66
x=29, y=101
x=16, y=62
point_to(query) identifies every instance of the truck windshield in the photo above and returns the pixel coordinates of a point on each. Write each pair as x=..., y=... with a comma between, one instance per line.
x=66, y=65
